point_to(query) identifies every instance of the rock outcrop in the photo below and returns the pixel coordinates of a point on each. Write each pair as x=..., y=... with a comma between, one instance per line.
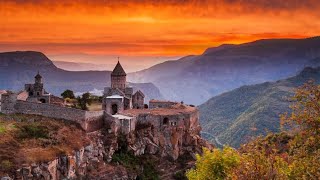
x=95, y=161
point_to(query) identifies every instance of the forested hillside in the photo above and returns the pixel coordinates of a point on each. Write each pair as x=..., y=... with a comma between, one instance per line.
x=237, y=116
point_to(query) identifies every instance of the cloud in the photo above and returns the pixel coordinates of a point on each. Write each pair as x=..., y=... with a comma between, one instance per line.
x=150, y=27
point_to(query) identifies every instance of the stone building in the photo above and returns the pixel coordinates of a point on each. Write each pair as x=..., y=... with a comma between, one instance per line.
x=164, y=130
x=37, y=93
x=119, y=96
x=138, y=100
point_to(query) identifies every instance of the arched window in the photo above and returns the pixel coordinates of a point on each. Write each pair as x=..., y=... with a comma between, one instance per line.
x=42, y=100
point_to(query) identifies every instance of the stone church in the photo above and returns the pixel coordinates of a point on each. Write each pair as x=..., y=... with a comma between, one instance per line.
x=37, y=93
x=120, y=96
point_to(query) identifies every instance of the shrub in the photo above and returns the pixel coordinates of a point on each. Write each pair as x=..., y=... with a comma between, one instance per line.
x=2, y=128
x=217, y=164
x=6, y=165
x=33, y=130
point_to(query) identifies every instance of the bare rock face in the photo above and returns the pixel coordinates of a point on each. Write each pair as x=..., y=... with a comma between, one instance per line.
x=170, y=141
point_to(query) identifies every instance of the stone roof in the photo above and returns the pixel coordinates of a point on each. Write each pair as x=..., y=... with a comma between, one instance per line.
x=118, y=70
x=23, y=95
x=173, y=110
x=139, y=92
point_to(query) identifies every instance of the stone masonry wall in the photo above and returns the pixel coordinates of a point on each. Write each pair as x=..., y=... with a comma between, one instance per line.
x=89, y=121
x=160, y=104
x=94, y=120
x=49, y=110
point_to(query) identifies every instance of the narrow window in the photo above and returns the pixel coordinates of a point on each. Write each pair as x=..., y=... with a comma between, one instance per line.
x=165, y=121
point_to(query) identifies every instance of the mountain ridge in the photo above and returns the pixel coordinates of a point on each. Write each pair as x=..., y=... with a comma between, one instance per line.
x=239, y=115
x=226, y=67
x=19, y=67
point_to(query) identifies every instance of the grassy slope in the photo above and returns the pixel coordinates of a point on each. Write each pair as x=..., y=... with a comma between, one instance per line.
x=248, y=111
x=29, y=138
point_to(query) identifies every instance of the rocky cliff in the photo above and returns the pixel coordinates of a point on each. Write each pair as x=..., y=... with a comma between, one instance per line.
x=100, y=155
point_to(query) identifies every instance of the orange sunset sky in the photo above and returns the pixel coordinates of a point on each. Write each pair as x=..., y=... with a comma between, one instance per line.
x=144, y=33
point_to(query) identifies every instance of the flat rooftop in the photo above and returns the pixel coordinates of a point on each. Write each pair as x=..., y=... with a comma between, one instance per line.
x=173, y=110
x=161, y=101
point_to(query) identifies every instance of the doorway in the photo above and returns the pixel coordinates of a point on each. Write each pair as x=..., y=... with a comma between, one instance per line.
x=114, y=109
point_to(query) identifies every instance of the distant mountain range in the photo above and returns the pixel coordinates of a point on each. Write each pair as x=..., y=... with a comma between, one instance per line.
x=20, y=67
x=235, y=117
x=195, y=79
x=79, y=66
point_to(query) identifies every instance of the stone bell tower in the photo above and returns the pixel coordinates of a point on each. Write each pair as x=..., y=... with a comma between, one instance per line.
x=118, y=77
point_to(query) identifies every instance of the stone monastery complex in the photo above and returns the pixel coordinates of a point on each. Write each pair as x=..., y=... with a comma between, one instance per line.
x=122, y=109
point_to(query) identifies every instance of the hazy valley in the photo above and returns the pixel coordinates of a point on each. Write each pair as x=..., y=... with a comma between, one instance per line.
x=195, y=79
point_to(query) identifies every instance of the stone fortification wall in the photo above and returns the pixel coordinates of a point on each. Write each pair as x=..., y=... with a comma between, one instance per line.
x=8, y=101
x=89, y=121
x=49, y=110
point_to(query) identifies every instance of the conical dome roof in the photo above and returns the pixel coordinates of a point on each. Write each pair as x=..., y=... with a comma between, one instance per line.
x=118, y=70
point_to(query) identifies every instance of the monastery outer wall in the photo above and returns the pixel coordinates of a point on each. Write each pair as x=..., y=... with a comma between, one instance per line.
x=89, y=121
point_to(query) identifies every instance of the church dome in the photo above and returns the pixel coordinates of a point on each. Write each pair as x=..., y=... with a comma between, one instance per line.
x=118, y=70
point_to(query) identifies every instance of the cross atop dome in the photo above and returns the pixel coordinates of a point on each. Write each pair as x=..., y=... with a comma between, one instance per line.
x=38, y=76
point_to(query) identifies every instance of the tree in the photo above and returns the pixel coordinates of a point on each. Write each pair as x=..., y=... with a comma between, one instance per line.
x=305, y=109
x=84, y=100
x=68, y=94
x=217, y=164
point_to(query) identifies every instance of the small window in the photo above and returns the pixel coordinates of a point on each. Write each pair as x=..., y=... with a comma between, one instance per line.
x=173, y=123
